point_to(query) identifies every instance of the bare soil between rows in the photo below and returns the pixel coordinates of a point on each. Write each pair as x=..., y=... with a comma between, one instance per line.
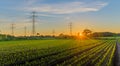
x=117, y=55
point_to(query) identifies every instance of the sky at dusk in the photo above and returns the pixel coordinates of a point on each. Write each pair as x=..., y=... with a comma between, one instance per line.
x=97, y=15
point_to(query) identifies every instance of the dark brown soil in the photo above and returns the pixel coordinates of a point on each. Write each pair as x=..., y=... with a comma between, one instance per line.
x=117, y=55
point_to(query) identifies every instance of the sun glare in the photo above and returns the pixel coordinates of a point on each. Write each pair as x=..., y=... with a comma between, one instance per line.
x=81, y=34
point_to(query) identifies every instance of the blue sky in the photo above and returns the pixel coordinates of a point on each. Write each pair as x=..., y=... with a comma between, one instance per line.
x=97, y=15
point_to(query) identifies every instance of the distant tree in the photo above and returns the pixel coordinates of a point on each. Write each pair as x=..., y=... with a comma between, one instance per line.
x=38, y=34
x=87, y=32
x=64, y=36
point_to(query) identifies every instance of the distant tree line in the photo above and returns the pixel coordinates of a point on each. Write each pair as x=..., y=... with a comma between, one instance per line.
x=104, y=34
x=85, y=34
x=6, y=37
x=89, y=33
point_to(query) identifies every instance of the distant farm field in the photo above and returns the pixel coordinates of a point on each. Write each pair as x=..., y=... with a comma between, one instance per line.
x=57, y=53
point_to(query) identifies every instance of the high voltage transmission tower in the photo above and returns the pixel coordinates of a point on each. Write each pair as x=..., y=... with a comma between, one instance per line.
x=33, y=20
x=12, y=28
x=70, y=27
x=25, y=28
x=53, y=32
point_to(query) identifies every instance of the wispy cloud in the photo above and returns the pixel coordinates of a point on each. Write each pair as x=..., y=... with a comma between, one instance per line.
x=46, y=15
x=66, y=8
